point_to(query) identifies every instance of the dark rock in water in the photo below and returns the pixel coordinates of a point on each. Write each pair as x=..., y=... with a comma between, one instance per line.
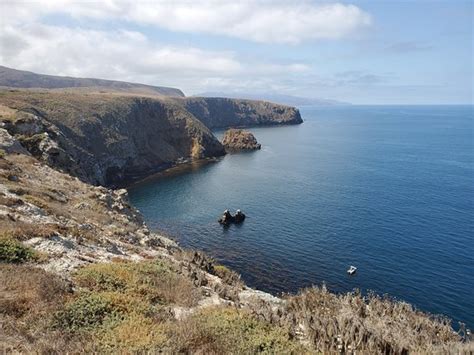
x=239, y=139
x=227, y=218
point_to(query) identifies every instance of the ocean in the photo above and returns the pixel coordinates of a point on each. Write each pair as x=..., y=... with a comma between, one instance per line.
x=389, y=189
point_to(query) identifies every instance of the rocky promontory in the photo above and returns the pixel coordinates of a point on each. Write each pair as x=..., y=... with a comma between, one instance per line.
x=219, y=112
x=235, y=140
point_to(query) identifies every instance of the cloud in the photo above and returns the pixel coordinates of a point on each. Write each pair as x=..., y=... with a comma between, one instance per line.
x=126, y=55
x=253, y=20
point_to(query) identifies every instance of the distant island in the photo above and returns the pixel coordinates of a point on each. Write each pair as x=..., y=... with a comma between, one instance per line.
x=275, y=97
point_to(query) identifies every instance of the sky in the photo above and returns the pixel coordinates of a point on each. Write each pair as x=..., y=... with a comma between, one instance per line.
x=363, y=52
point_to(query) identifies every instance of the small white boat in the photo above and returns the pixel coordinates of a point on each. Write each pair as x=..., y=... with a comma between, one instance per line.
x=352, y=270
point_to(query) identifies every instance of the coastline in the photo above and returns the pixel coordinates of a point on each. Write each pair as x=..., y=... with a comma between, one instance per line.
x=178, y=167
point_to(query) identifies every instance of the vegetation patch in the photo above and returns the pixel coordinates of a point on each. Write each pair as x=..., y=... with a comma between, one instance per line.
x=22, y=231
x=13, y=251
x=88, y=311
x=151, y=281
x=136, y=333
x=28, y=291
x=228, y=276
x=231, y=331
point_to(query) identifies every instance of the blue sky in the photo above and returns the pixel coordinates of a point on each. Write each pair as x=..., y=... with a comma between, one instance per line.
x=367, y=52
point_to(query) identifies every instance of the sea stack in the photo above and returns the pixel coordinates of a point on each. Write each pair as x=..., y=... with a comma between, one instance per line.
x=238, y=139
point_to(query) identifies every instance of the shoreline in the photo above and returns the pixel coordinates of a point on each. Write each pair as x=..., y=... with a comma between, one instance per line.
x=177, y=168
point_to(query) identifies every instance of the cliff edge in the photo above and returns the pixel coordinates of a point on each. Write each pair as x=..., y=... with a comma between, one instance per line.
x=216, y=112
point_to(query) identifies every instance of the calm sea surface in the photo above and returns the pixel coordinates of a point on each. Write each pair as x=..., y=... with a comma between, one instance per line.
x=389, y=189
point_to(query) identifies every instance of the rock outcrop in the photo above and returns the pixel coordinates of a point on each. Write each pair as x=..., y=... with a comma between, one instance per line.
x=223, y=112
x=235, y=140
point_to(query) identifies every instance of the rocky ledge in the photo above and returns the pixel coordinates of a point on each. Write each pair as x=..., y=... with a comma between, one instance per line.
x=239, y=139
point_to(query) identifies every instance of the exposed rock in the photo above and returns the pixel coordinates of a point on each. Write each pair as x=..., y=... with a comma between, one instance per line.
x=239, y=139
x=227, y=218
x=9, y=144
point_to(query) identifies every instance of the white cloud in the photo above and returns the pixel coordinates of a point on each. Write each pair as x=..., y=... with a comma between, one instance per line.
x=86, y=48
x=125, y=55
x=254, y=20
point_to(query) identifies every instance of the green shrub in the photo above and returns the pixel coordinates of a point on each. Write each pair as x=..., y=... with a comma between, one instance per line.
x=149, y=281
x=228, y=276
x=134, y=334
x=2, y=153
x=228, y=330
x=86, y=312
x=12, y=251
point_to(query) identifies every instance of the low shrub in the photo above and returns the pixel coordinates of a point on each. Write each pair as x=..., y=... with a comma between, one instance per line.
x=134, y=334
x=230, y=331
x=12, y=251
x=86, y=312
x=152, y=281
x=228, y=276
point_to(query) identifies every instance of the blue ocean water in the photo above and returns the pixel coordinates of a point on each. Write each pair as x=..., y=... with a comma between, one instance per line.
x=389, y=189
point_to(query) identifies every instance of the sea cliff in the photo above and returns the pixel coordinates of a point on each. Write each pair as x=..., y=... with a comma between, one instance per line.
x=217, y=112
x=113, y=139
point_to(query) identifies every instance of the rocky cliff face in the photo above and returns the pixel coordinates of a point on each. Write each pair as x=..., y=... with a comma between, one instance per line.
x=112, y=139
x=223, y=112
x=105, y=139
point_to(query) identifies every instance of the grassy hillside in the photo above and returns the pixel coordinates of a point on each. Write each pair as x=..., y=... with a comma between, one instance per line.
x=24, y=79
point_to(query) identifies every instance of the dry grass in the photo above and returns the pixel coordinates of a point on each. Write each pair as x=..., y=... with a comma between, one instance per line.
x=351, y=322
x=24, y=231
x=28, y=296
x=7, y=113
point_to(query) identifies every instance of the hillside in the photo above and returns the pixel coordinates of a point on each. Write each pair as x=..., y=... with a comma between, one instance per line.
x=24, y=79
